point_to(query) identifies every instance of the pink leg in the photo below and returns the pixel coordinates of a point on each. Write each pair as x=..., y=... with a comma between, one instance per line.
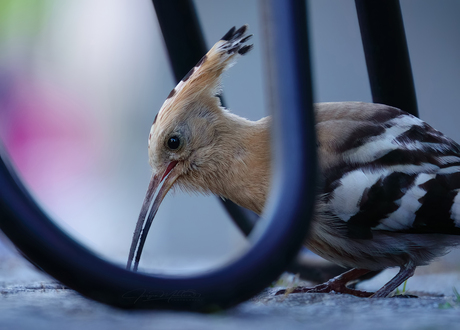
x=404, y=273
x=337, y=284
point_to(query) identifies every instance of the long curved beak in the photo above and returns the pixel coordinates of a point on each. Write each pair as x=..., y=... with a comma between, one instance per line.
x=155, y=181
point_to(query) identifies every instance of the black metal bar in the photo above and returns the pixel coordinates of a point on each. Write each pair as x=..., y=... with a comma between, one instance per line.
x=386, y=52
x=291, y=205
x=185, y=45
x=182, y=34
x=290, y=88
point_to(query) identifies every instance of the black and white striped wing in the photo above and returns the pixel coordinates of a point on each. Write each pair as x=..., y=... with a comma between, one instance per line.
x=395, y=173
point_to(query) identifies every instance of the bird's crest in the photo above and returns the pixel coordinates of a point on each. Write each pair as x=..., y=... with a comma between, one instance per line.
x=203, y=80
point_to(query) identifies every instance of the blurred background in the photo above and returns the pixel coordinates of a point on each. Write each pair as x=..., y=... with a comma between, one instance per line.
x=82, y=80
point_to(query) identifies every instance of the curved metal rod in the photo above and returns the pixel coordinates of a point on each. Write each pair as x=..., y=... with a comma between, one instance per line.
x=44, y=244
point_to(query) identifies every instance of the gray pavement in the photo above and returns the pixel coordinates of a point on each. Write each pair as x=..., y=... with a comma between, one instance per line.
x=32, y=300
x=56, y=308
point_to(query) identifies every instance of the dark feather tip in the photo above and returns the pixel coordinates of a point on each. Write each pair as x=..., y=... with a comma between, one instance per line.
x=245, y=39
x=229, y=34
x=243, y=50
x=240, y=31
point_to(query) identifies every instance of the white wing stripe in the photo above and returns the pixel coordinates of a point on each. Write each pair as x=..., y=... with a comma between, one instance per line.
x=404, y=216
x=347, y=197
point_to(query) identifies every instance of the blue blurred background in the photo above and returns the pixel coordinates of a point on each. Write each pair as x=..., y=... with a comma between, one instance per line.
x=82, y=80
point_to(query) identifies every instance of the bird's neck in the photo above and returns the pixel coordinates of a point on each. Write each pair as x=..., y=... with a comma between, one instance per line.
x=246, y=179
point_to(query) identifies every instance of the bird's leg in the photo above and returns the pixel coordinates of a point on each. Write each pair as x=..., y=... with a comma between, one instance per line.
x=404, y=273
x=337, y=284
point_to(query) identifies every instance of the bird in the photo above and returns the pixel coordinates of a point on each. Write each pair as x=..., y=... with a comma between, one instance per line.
x=389, y=183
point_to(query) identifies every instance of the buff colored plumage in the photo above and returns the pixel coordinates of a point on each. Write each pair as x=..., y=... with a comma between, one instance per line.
x=389, y=182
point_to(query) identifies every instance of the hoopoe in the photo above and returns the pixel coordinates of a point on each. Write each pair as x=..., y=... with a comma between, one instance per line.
x=390, y=182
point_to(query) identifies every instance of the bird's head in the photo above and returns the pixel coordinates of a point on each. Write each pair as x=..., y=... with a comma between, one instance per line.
x=188, y=131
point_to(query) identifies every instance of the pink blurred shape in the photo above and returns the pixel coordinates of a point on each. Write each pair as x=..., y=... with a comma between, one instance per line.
x=46, y=133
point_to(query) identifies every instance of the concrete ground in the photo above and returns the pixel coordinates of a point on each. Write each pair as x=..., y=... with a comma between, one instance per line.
x=32, y=300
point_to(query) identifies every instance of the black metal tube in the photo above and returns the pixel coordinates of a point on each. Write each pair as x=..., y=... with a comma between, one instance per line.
x=386, y=52
x=181, y=33
x=291, y=101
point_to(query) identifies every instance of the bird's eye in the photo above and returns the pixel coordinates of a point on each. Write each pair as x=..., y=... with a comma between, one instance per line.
x=174, y=142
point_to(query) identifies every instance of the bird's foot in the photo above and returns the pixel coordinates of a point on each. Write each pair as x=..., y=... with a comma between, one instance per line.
x=321, y=288
x=338, y=285
x=326, y=288
x=404, y=296
x=384, y=295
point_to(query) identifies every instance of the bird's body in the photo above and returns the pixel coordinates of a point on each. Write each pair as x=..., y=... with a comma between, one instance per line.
x=388, y=186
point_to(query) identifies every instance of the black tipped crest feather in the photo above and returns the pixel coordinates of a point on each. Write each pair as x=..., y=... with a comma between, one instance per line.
x=240, y=32
x=235, y=40
x=243, y=50
x=229, y=34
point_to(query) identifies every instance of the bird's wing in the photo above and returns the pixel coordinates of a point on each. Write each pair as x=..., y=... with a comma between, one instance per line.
x=388, y=171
